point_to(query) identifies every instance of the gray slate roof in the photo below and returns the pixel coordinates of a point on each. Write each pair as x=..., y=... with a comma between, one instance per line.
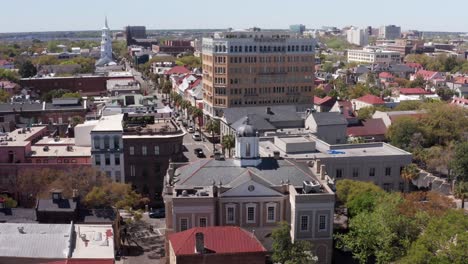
x=278, y=113
x=17, y=215
x=329, y=118
x=62, y=205
x=204, y=172
x=36, y=107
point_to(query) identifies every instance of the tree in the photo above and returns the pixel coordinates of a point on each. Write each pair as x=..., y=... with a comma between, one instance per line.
x=445, y=240
x=408, y=105
x=167, y=88
x=410, y=172
x=383, y=233
x=9, y=75
x=196, y=114
x=27, y=69
x=287, y=252
x=114, y=194
x=445, y=93
x=460, y=162
x=348, y=190
x=189, y=61
x=401, y=131
x=365, y=112
x=418, y=82
x=75, y=120
x=461, y=192
x=213, y=126
x=229, y=143
x=8, y=201
x=4, y=96
x=327, y=67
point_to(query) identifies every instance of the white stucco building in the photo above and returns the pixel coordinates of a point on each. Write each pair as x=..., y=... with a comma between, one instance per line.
x=357, y=36
x=373, y=55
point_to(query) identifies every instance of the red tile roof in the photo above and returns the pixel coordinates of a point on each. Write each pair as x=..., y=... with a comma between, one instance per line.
x=370, y=127
x=414, y=65
x=371, y=99
x=219, y=239
x=326, y=99
x=426, y=74
x=385, y=75
x=177, y=70
x=458, y=100
x=461, y=80
x=413, y=91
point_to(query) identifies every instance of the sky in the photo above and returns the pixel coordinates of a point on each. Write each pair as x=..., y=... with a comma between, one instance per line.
x=67, y=15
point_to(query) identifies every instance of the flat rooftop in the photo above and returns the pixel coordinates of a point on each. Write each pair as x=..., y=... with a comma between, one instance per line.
x=55, y=141
x=35, y=240
x=60, y=151
x=109, y=123
x=20, y=137
x=324, y=150
x=94, y=242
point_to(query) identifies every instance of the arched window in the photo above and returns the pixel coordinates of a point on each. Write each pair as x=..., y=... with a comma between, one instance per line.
x=247, y=149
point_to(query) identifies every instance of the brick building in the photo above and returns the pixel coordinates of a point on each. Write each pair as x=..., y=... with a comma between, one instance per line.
x=174, y=47
x=147, y=153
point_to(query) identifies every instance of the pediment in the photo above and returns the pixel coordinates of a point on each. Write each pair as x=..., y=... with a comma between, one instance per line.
x=250, y=188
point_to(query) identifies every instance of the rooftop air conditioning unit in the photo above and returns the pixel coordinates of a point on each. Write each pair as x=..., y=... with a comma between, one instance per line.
x=310, y=187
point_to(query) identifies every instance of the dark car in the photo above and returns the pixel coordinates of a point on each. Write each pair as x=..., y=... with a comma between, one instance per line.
x=158, y=213
x=199, y=152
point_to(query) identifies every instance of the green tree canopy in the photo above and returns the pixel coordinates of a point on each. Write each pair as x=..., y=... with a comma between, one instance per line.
x=460, y=161
x=287, y=252
x=402, y=130
x=27, y=69
x=114, y=194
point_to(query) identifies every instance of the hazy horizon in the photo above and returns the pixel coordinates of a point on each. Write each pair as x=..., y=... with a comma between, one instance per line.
x=48, y=15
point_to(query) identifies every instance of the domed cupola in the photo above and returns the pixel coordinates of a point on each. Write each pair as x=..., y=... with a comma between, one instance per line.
x=247, y=144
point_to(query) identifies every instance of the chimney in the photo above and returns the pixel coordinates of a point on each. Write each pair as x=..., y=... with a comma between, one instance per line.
x=199, y=243
x=317, y=166
x=276, y=155
x=341, y=109
x=354, y=106
x=322, y=172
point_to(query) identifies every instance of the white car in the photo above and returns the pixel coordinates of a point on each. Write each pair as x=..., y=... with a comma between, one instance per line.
x=196, y=137
x=190, y=129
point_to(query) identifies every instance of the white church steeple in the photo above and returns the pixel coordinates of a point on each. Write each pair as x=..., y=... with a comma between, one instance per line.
x=106, y=47
x=247, y=144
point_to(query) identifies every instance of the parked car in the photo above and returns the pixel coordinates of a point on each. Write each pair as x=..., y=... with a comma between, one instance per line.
x=196, y=137
x=199, y=152
x=158, y=213
x=190, y=129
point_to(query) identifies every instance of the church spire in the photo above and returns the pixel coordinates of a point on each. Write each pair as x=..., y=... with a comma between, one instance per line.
x=106, y=23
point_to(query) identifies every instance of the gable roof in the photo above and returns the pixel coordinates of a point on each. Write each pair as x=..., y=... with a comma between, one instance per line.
x=329, y=118
x=327, y=100
x=271, y=172
x=385, y=75
x=413, y=91
x=60, y=205
x=217, y=239
x=427, y=75
x=177, y=70
x=370, y=127
x=371, y=99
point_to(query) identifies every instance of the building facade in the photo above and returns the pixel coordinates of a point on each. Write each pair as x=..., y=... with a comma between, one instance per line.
x=107, y=147
x=148, y=152
x=357, y=36
x=389, y=32
x=373, y=55
x=254, y=67
x=253, y=193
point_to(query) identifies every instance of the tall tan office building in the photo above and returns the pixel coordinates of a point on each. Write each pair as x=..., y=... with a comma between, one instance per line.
x=257, y=68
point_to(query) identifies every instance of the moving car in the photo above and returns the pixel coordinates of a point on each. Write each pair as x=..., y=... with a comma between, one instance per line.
x=158, y=213
x=190, y=129
x=196, y=137
x=199, y=152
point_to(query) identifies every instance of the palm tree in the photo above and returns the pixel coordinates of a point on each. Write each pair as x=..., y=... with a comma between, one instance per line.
x=228, y=143
x=196, y=113
x=212, y=126
x=461, y=191
x=166, y=88
x=410, y=172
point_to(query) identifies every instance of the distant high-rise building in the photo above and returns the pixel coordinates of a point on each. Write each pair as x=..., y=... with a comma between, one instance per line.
x=299, y=28
x=358, y=36
x=135, y=32
x=257, y=68
x=390, y=32
x=106, y=47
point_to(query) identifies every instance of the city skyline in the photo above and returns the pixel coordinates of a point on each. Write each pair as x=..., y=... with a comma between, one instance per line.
x=243, y=14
